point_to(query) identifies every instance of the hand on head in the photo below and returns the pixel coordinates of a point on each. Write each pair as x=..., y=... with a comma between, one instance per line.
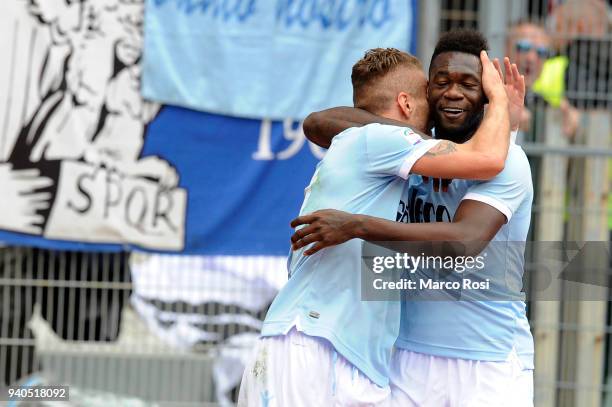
x=492, y=79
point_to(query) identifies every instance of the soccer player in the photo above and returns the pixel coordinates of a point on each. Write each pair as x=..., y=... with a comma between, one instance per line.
x=451, y=353
x=321, y=345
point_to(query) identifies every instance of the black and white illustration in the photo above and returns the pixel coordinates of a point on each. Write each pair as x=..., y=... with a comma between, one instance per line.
x=73, y=123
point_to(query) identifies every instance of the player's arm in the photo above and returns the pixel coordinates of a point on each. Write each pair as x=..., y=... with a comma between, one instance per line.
x=474, y=224
x=482, y=212
x=470, y=160
x=321, y=127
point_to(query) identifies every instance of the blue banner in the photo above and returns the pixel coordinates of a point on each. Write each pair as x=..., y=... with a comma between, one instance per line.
x=233, y=188
x=265, y=58
x=245, y=178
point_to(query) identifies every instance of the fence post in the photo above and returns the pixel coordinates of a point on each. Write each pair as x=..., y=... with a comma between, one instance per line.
x=590, y=338
x=549, y=228
x=429, y=29
x=493, y=21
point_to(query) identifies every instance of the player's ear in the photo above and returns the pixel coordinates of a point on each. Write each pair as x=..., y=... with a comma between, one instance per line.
x=405, y=104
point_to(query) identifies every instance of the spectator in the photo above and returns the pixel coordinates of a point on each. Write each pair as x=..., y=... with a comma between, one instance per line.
x=528, y=45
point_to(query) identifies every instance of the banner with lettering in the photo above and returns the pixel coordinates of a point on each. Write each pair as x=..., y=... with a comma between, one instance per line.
x=87, y=164
x=265, y=58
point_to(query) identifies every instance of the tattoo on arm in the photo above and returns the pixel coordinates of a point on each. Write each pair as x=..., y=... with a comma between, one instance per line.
x=443, y=148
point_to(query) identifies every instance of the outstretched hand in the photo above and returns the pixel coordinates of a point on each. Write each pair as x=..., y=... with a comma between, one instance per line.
x=514, y=83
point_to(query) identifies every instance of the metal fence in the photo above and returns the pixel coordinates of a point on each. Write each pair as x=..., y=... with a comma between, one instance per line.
x=132, y=328
x=79, y=318
x=571, y=174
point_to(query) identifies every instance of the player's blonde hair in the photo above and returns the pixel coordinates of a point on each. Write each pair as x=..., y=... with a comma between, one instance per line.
x=370, y=71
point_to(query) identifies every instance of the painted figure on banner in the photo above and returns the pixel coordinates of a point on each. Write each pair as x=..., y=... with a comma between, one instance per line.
x=76, y=157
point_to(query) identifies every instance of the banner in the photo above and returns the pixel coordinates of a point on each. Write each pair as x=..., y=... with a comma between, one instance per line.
x=87, y=164
x=265, y=58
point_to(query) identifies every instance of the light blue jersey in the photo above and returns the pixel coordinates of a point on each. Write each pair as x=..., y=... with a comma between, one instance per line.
x=467, y=329
x=363, y=172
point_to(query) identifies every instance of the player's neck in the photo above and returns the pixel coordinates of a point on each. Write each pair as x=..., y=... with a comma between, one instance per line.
x=455, y=137
x=394, y=115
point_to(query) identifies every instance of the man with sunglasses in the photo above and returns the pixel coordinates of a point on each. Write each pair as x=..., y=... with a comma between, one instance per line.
x=530, y=46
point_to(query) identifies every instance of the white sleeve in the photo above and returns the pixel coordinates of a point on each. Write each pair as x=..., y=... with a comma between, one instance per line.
x=509, y=188
x=393, y=150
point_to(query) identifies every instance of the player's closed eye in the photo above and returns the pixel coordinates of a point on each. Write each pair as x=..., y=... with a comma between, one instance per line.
x=524, y=46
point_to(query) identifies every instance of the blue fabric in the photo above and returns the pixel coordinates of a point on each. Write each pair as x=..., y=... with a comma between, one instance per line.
x=265, y=58
x=475, y=327
x=236, y=204
x=361, y=173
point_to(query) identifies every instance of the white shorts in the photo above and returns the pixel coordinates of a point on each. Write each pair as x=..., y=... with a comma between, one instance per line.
x=432, y=381
x=297, y=370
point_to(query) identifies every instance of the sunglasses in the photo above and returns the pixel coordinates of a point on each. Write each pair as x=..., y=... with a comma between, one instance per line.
x=524, y=46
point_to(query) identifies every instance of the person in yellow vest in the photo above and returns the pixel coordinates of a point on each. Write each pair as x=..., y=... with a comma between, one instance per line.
x=551, y=86
x=529, y=45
